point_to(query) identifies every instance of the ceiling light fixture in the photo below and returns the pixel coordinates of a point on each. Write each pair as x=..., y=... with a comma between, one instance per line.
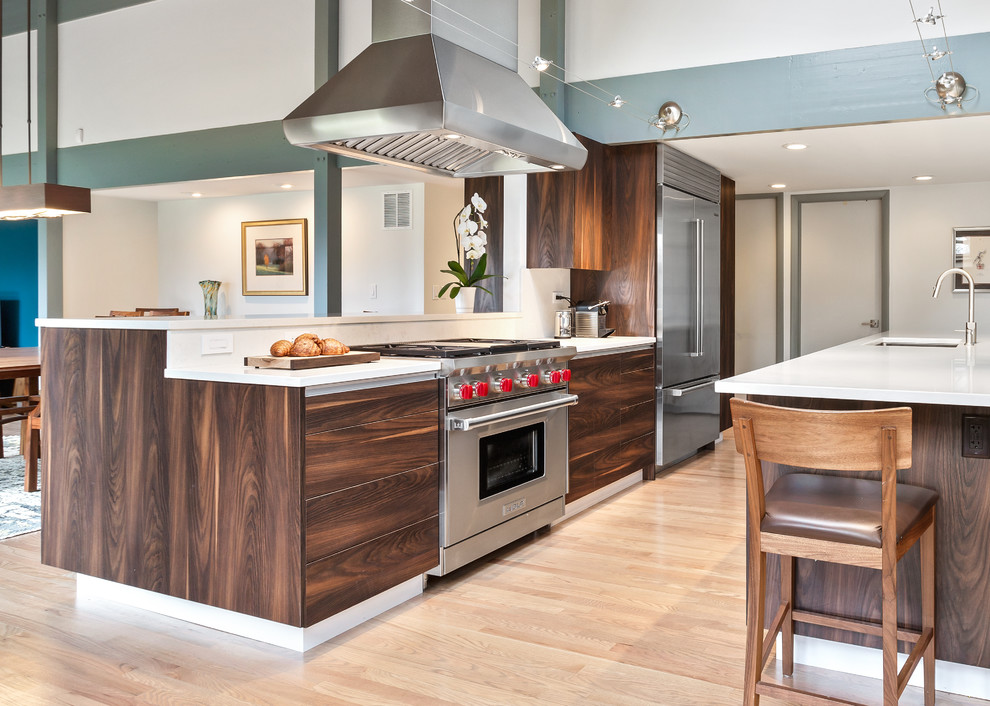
x=617, y=102
x=41, y=200
x=949, y=88
x=285, y=186
x=795, y=146
x=540, y=64
x=778, y=186
x=196, y=195
x=670, y=117
x=556, y=166
x=923, y=177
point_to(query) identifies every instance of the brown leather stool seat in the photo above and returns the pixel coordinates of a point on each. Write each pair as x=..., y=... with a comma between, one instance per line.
x=839, y=509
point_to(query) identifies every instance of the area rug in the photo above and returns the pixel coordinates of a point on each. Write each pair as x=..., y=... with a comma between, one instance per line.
x=20, y=512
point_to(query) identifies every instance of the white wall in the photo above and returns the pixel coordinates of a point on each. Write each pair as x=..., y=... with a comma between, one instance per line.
x=177, y=65
x=390, y=262
x=14, y=85
x=110, y=257
x=921, y=222
x=624, y=37
x=443, y=202
x=201, y=239
x=756, y=284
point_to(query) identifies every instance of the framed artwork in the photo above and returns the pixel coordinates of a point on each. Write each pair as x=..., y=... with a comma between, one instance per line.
x=273, y=258
x=971, y=252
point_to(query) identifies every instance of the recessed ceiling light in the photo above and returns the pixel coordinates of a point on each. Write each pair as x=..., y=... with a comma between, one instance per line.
x=285, y=186
x=556, y=166
x=795, y=146
x=924, y=177
x=196, y=195
x=778, y=186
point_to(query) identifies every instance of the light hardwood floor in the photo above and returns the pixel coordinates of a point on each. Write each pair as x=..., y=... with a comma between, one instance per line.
x=639, y=600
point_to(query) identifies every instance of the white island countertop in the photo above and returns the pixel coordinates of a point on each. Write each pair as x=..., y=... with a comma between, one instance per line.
x=863, y=370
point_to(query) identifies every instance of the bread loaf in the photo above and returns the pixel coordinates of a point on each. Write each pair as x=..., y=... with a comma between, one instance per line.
x=305, y=347
x=310, y=336
x=280, y=348
x=331, y=346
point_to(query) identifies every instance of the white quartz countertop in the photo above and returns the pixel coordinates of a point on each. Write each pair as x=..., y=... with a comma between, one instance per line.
x=587, y=347
x=302, y=321
x=862, y=370
x=336, y=375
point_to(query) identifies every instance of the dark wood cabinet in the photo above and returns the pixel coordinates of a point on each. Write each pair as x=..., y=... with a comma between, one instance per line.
x=567, y=215
x=372, y=493
x=612, y=427
x=251, y=498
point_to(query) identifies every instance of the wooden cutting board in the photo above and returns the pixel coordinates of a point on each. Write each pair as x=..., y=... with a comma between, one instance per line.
x=308, y=362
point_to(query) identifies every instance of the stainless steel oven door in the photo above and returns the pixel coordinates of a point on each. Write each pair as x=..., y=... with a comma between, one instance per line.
x=503, y=460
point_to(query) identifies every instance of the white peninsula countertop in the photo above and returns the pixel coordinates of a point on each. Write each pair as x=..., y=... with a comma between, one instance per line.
x=864, y=370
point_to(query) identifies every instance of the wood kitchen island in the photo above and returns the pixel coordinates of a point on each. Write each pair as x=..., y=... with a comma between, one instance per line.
x=942, y=383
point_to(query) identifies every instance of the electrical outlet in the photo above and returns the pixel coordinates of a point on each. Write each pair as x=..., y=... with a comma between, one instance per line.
x=976, y=437
x=556, y=296
x=373, y=293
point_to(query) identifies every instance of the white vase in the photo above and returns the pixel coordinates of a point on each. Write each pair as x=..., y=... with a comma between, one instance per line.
x=464, y=301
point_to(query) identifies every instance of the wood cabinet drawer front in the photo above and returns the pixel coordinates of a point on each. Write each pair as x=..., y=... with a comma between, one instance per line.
x=638, y=420
x=340, y=520
x=581, y=479
x=589, y=417
x=583, y=445
x=637, y=387
x=638, y=360
x=346, y=457
x=622, y=460
x=347, y=409
x=356, y=574
x=594, y=376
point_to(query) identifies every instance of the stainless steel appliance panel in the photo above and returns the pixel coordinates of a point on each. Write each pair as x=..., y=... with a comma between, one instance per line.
x=475, y=438
x=689, y=419
x=687, y=286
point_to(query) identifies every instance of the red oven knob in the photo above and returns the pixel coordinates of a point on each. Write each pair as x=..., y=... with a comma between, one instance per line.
x=533, y=380
x=481, y=389
x=466, y=392
x=565, y=375
x=554, y=377
x=504, y=384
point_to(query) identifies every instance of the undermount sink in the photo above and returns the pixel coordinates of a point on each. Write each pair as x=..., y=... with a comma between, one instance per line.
x=917, y=342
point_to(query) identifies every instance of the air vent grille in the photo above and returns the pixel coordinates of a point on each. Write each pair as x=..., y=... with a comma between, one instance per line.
x=397, y=210
x=689, y=174
x=419, y=148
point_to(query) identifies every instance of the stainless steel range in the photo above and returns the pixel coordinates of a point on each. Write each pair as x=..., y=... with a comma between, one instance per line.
x=505, y=442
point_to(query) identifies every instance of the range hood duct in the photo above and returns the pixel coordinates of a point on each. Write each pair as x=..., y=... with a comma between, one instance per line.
x=429, y=104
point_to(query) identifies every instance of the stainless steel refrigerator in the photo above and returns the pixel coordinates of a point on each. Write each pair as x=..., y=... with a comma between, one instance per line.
x=688, y=304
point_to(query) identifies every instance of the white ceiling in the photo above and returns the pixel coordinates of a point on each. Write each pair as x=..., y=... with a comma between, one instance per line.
x=953, y=149
x=374, y=175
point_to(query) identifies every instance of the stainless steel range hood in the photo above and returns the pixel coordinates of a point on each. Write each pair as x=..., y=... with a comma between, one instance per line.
x=426, y=103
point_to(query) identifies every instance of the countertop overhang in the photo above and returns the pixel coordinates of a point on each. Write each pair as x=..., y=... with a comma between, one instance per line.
x=863, y=370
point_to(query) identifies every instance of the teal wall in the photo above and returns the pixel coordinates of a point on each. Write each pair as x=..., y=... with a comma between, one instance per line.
x=18, y=283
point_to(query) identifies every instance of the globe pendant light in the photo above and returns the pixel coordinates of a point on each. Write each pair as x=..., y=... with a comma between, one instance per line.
x=42, y=200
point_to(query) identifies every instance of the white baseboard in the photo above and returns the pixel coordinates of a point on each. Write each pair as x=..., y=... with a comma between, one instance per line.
x=950, y=677
x=287, y=636
x=591, y=499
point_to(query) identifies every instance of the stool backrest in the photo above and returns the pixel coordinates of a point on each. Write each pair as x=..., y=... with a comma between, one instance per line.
x=872, y=440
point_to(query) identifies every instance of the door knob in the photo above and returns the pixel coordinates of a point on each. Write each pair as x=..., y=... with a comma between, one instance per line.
x=872, y=323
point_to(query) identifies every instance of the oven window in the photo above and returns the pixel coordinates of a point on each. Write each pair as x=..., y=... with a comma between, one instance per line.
x=510, y=458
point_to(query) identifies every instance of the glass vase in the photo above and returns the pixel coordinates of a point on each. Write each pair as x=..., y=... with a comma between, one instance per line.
x=211, y=288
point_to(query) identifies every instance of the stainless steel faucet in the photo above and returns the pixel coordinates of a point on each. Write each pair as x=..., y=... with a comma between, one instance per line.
x=971, y=324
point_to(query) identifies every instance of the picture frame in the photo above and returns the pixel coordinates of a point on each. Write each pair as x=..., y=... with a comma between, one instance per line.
x=971, y=252
x=274, y=260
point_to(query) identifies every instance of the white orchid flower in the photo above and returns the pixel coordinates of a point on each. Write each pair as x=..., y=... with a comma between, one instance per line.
x=482, y=238
x=473, y=254
x=478, y=203
x=465, y=228
x=465, y=213
x=482, y=222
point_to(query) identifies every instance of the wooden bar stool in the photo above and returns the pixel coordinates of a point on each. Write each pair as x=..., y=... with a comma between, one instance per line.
x=838, y=519
x=33, y=457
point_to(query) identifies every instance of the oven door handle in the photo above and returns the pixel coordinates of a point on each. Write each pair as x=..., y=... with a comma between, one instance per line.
x=467, y=423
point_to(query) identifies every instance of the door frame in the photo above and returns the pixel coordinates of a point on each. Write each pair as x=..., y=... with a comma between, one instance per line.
x=797, y=201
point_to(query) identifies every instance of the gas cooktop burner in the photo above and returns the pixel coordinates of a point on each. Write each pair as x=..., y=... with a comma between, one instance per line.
x=459, y=347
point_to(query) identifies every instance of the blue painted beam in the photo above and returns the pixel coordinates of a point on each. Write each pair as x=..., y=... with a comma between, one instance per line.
x=844, y=87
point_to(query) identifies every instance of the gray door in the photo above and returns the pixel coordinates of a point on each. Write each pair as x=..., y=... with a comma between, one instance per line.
x=688, y=274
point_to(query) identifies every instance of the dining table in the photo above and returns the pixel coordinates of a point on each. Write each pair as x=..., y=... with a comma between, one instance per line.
x=23, y=365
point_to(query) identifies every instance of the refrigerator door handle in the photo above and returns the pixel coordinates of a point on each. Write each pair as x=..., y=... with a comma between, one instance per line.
x=681, y=391
x=699, y=321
